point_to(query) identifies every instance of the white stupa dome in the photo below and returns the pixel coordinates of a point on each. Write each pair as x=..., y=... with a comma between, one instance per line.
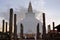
x=30, y=22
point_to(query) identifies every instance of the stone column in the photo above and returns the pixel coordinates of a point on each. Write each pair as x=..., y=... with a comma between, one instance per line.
x=10, y=23
x=21, y=31
x=3, y=25
x=53, y=30
x=3, y=21
x=53, y=26
x=38, y=33
x=49, y=28
x=6, y=27
x=44, y=27
x=15, y=28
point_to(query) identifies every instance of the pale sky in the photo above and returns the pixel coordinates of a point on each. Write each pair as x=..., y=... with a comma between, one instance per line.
x=50, y=7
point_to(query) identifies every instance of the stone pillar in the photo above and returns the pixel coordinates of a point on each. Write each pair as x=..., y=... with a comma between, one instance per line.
x=10, y=23
x=38, y=33
x=15, y=28
x=3, y=25
x=21, y=31
x=49, y=28
x=44, y=27
x=3, y=21
x=6, y=27
x=53, y=30
x=53, y=26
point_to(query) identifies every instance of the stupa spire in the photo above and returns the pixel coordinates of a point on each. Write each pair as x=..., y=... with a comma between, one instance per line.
x=30, y=7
